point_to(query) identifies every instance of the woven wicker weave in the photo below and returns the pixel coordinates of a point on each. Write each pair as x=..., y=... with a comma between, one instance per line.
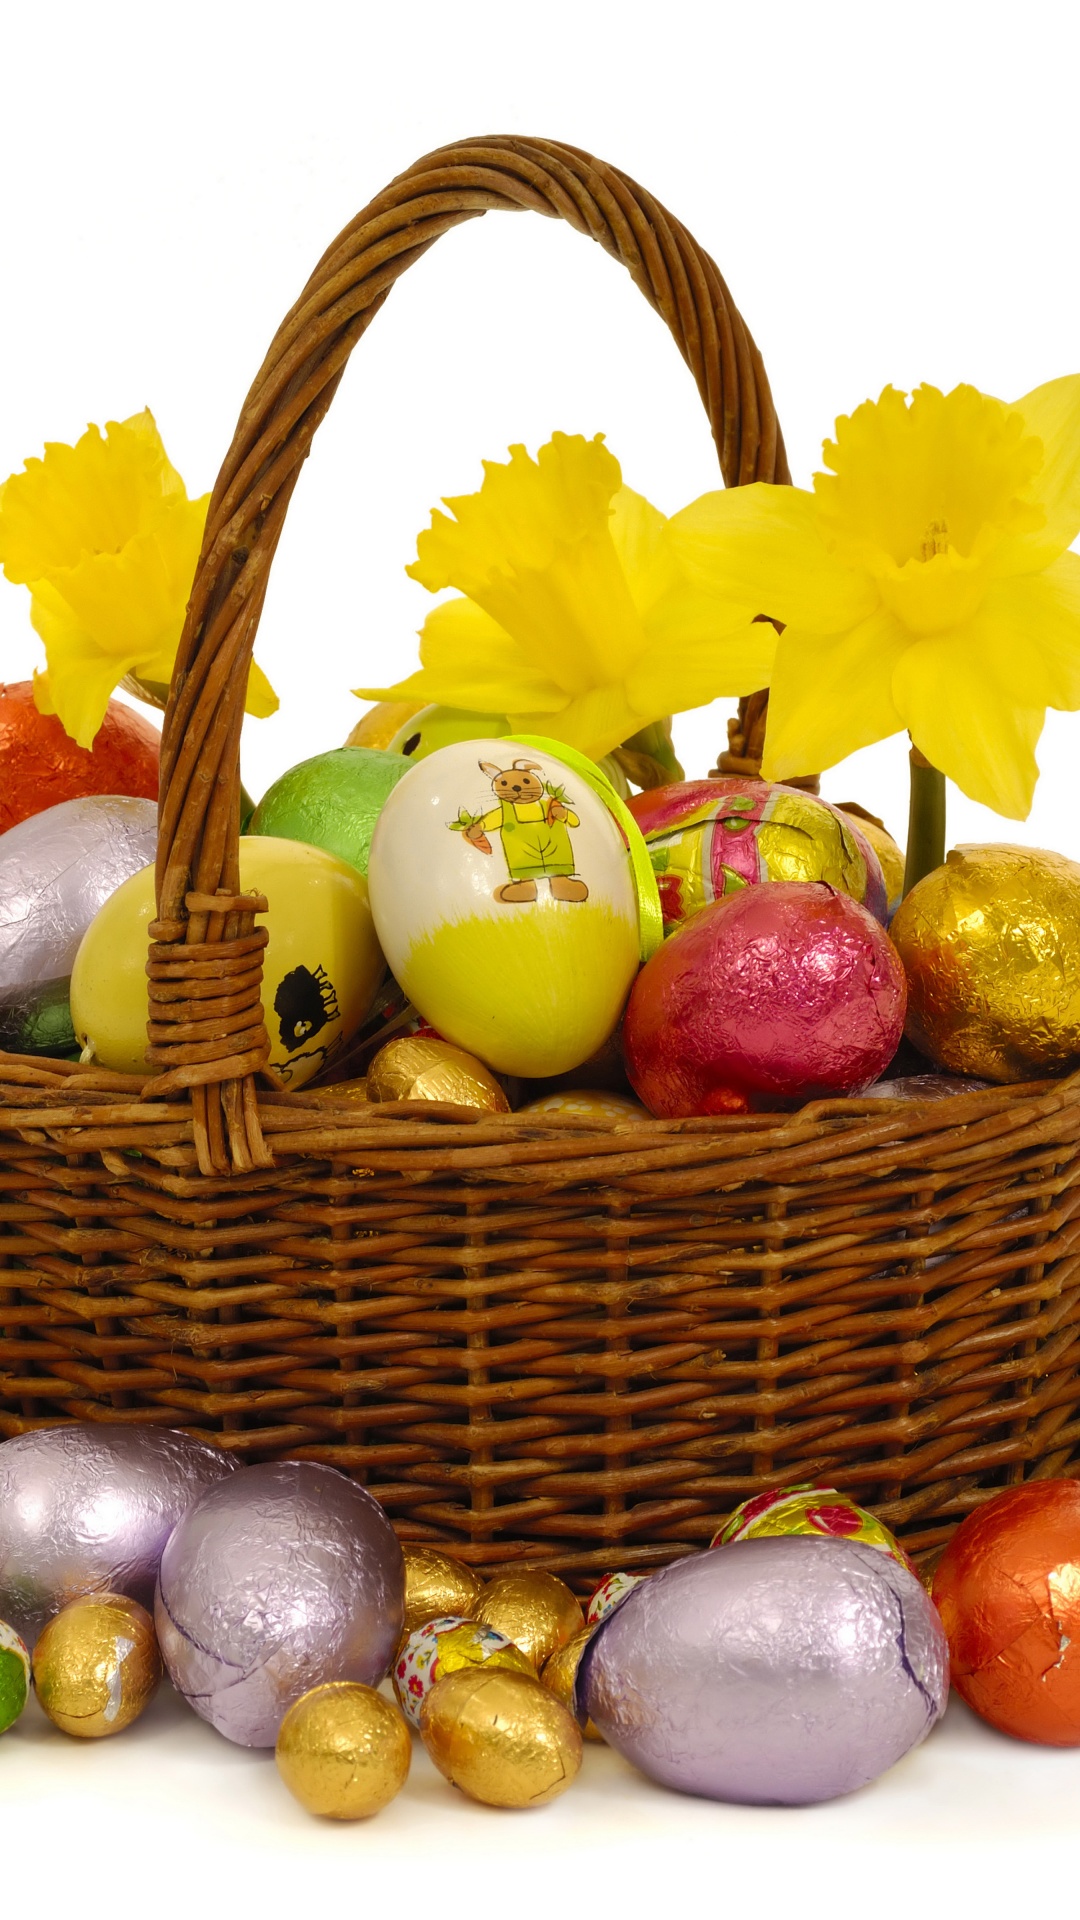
x=534, y=1342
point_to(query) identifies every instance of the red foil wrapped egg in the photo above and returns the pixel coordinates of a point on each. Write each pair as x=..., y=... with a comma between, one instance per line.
x=782, y=993
x=1008, y=1591
x=40, y=766
x=708, y=839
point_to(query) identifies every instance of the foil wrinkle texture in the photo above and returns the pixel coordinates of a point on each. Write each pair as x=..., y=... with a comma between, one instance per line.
x=56, y=870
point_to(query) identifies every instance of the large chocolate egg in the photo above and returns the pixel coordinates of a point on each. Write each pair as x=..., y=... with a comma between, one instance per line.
x=331, y=801
x=321, y=968
x=991, y=945
x=282, y=1578
x=40, y=766
x=1008, y=1587
x=784, y=991
x=88, y=1509
x=505, y=902
x=708, y=839
x=775, y=1672
x=57, y=869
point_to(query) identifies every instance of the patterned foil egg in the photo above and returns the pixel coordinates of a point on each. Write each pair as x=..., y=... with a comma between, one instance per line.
x=14, y=1675
x=505, y=902
x=991, y=946
x=87, y=1508
x=283, y=1578
x=445, y=1646
x=808, y=1510
x=609, y=1594
x=774, y=1672
x=710, y=838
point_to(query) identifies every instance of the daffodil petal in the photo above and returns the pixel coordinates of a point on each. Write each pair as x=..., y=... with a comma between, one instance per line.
x=690, y=663
x=261, y=700
x=640, y=538
x=1053, y=413
x=831, y=694
x=950, y=696
x=81, y=678
x=468, y=660
x=87, y=499
x=1028, y=630
x=759, y=549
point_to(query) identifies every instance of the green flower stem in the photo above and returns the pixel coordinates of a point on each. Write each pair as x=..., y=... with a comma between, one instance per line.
x=926, y=821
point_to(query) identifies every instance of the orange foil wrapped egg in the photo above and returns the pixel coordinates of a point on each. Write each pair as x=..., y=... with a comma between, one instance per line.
x=1008, y=1591
x=40, y=766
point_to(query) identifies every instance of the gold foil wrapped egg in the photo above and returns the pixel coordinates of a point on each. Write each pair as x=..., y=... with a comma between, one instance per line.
x=991, y=946
x=585, y=1103
x=890, y=855
x=501, y=1738
x=560, y=1674
x=344, y=1093
x=536, y=1611
x=418, y=1067
x=447, y=1646
x=437, y=1585
x=97, y=1665
x=343, y=1751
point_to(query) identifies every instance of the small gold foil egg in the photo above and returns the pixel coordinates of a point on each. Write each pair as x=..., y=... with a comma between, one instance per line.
x=560, y=1673
x=96, y=1665
x=343, y=1751
x=991, y=946
x=346, y=1093
x=446, y=1646
x=437, y=1585
x=418, y=1067
x=501, y=1738
x=536, y=1611
x=585, y=1103
x=888, y=852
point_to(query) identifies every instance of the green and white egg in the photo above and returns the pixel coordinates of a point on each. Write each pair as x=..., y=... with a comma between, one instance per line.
x=14, y=1676
x=504, y=899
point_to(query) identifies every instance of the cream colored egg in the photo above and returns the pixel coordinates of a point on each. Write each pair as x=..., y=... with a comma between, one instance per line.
x=320, y=970
x=505, y=902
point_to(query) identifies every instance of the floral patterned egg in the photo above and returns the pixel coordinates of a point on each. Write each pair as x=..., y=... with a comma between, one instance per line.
x=444, y=1646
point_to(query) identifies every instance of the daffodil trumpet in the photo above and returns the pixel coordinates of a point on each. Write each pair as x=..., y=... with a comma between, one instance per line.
x=925, y=583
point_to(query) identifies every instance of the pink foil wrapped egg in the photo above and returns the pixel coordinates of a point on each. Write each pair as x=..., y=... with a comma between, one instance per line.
x=781, y=993
x=708, y=839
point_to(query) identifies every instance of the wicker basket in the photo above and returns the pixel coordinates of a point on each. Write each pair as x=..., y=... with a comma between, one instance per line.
x=539, y=1343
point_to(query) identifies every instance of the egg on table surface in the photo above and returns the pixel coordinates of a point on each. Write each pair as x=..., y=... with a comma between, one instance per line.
x=505, y=902
x=321, y=968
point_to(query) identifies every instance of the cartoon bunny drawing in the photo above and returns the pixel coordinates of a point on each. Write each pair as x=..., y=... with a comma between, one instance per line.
x=533, y=823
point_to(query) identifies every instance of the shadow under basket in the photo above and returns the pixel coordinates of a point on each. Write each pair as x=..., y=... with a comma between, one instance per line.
x=537, y=1341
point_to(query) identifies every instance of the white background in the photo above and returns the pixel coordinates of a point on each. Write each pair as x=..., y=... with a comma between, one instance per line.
x=890, y=191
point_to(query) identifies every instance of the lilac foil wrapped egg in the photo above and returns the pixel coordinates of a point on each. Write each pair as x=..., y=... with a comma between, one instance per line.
x=283, y=1578
x=781, y=1671
x=88, y=1509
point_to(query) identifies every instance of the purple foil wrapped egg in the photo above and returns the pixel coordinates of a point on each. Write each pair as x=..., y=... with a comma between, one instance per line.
x=780, y=1672
x=782, y=993
x=281, y=1579
x=88, y=1509
x=56, y=870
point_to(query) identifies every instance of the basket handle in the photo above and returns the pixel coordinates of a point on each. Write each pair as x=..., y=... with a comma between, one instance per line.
x=206, y=1023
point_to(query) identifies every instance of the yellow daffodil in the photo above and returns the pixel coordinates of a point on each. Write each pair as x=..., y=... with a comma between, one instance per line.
x=577, y=621
x=925, y=583
x=106, y=539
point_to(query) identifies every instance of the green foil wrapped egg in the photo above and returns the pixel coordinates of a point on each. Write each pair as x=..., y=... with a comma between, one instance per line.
x=14, y=1676
x=331, y=801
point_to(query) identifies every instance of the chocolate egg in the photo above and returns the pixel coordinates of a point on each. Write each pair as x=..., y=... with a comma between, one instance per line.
x=1008, y=1589
x=321, y=968
x=14, y=1675
x=87, y=1508
x=808, y=1510
x=610, y=1594
x=40, y=766
x=774, y=1672
x=582, y=1103
x=446, y=1645
x=343, y=1751
x=559, y=1676
x=331, y=801
x=437, y=1585
x=501, y=1738
x=890, y=854
x=708, y=839
x=97, y=1666
x=417, y=1066
x=284, y=1577
x=505, y=902
x=924, y=1086
x=991, y=946
x=783, y=991
x=377, y=727
x=537, y=1611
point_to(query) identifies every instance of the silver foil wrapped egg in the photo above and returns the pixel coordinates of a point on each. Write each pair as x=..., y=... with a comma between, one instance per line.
x=779, y=1671
x=88, y=1509
x=283, y=1578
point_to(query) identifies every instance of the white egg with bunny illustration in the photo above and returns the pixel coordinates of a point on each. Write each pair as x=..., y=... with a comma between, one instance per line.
x=505, y=902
